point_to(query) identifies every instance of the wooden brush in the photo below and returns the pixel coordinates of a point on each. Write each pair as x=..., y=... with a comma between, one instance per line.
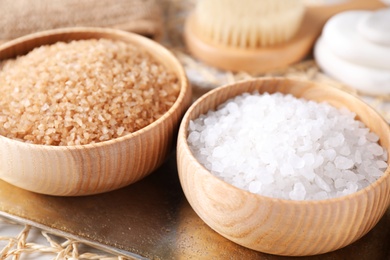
x=258, y=36
x=248, y=23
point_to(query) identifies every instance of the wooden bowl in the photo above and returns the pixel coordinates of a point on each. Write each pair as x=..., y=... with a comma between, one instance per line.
x=92, y=168
x=277, y=226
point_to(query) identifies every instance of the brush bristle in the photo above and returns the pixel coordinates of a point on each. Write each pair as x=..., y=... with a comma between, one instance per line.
x=248, y=23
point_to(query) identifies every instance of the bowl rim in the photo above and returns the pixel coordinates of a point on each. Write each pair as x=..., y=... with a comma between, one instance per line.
x=135, y=38
x=183, y=134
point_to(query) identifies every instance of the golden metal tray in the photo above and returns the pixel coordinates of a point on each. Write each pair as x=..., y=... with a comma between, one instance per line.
x=151, y=219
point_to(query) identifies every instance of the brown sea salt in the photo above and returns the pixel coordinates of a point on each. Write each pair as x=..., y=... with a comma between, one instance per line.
x=82, y=92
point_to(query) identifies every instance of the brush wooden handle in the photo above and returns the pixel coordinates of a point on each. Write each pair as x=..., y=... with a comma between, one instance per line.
x=266, y=59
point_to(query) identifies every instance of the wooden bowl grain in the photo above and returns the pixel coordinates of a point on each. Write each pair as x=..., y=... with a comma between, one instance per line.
x=93, y=168
x=277, y=226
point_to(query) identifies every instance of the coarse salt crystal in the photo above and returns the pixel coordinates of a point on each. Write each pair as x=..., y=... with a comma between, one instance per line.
x=376, y=149
x=280, y=146
x=322, y=184
x=298, y=192
x=358, y=157
x=343, y=163
x=120, y=130
x=219, y=152
x=45, y=107
x=266, y=177
x=381, y=164
x=339, y=183
x=308, y=174
x=345, y=150
x=95, y=78
x=372, y=137
x=309, y=159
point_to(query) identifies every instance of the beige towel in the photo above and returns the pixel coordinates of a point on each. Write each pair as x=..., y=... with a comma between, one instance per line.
x=21, y=17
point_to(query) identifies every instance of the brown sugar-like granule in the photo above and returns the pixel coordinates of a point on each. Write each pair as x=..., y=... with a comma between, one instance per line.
x=82, y=92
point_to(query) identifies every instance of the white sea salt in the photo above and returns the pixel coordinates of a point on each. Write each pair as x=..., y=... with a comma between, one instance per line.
x=298, y=192
x=280, y=146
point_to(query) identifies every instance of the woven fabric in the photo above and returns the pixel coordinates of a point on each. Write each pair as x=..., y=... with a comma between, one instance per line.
x=21, y=17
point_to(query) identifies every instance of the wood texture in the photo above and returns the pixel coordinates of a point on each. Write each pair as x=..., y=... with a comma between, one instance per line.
x=277, y=226
x=262, y=60
x=94, y=168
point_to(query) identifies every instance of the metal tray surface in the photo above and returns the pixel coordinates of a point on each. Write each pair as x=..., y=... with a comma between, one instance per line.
x=152, y=219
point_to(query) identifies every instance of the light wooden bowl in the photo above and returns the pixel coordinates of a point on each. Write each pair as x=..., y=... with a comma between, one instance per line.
x=92, y=168
x=277, y=226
